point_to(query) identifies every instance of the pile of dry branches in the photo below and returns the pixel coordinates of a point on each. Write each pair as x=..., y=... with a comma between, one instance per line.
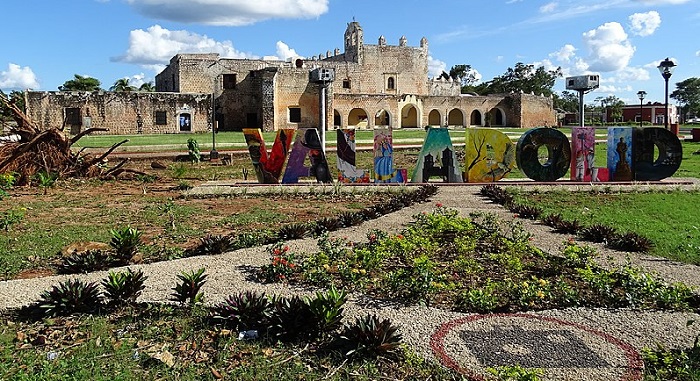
x=49, y=151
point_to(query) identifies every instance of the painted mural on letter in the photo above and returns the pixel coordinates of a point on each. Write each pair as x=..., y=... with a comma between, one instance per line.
x=620, y=154
x=437, y=158
x=583, y=154
x=307, y=144
x=268, y=168
x=384, y=171
x=346, y=163
x=489, y=155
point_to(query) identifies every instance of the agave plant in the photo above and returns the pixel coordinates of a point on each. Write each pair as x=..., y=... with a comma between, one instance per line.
x=71, y=296
x=293, y=231
x=292, y=319
x=348, y=219
x=84, y=262
x=526, y=211
x=125, y=242
x=125, y=286
x=370, y=337
x=598, y=233
x=188, y=290
x=326, y=224
x=631, y=241
x=244, y=311
x=214, y=244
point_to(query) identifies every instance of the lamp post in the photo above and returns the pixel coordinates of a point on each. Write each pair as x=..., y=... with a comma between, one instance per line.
x=666, y=68
x=641, y=94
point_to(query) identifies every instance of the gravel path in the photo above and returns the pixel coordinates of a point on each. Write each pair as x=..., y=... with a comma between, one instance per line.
x=603, y=334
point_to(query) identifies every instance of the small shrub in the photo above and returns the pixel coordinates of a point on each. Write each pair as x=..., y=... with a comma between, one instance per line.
x=251, y=239
x=84, y=262
x=125, y=242
x=515, y=373
x=7, y=181
x=9, y=218
x=598, y=233
x=244, y=311
x=370, y=337
x=282, y=264
x=124, y=287
x=578, y=256
x=213, y=244
x=632, y=242
x=69, y=297
x=193, y=151
x=293, y=231
x=178, y=171
x=188, y=290
x=46, y=180
x=482, y=300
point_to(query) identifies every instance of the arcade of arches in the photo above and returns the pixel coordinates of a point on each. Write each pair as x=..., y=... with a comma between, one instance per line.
x=410, y=118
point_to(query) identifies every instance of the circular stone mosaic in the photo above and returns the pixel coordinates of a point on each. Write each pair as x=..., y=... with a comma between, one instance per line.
x=561, y=349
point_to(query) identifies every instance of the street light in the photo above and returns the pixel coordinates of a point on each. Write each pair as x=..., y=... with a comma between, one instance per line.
x=641, y=94
x=666, y=68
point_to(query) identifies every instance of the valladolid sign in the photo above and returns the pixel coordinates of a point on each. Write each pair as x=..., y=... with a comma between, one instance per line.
x=489, y=156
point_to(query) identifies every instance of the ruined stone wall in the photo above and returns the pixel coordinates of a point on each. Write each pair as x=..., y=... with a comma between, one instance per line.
x=123, y=113
x=536, y=111
x=293, y=90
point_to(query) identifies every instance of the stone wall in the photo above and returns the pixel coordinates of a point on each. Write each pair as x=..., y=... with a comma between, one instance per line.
x=123, y=113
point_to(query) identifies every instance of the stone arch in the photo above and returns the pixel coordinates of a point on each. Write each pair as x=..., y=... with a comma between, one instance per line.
x=497, y=117
x=475, y=118
x=358, y=118
x=337, y=119
x=434, y=118
x=455, y=117
x=382, y=118
x=409, y=116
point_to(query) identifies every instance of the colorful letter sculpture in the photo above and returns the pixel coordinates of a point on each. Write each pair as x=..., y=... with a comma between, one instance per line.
x=384, y=171
x=347, y=171
x=558, y=154
x=308, y=143
x=437, y=149
x=620, y=162
x=268, y=168
x=489, y=155
x=670, y=154
x=583, y=154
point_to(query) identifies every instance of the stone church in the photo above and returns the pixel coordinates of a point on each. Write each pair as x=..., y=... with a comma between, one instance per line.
x=365, y=86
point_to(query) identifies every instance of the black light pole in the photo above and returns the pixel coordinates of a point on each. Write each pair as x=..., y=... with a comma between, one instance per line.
x=641, y=94
x=666, y=68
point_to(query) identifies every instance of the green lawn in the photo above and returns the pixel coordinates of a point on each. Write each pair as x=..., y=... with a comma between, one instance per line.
x=669, y=219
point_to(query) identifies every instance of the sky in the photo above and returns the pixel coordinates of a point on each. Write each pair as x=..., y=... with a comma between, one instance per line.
x=46, y=42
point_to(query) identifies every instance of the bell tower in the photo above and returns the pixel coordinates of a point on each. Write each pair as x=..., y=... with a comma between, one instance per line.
x=354, y=37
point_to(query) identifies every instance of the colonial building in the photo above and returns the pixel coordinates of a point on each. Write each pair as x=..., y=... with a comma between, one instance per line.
x=372, y=85
x=365, y=86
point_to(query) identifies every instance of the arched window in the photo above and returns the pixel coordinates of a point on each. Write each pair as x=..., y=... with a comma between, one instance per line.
x=390, y=83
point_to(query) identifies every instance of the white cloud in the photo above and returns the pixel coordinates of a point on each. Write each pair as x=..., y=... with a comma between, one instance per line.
x=549, y=7
x=18, y=78
x=284, y=52
x=629, y=74
x=154, y=46
x=645, y=24
x=229, y=12
x=435, y=67
x=565, y=54
x=663, y=2
x=609, y=48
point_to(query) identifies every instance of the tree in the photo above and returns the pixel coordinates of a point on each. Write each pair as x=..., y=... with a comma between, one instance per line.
x=466, y=76
x=524, y=78
x=16, y=98
x=147, y=87
x=615, y=105
x=567, y=101
x=122, y=85
x=80, y=83
x=688, y=94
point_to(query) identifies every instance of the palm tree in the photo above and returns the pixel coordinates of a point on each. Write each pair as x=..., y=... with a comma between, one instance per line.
x=147, y=87
x=122, y=84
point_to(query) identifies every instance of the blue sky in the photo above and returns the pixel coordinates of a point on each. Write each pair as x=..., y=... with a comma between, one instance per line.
x=47, y=41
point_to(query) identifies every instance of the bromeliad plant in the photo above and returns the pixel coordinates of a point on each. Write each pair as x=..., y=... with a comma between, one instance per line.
x=69, y=297
x=125, y=242
x=188, y=291
x=371, y=337
x=244, y=311
x=124, y=287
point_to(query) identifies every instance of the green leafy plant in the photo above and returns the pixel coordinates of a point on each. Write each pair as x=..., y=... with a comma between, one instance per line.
x=7, y=181
x=213, y=244
x=46, y=180
x=124, y=287
x=244, y=311
x=282, y=264
x=188, y=290
x=9, y=218
x=370, y=337
x=178, y=171
x=84, y=262
x=126, y=242
x=293, y=320
x=193, y=151
x=69, y=297
x=327, y=308
x=515, y=373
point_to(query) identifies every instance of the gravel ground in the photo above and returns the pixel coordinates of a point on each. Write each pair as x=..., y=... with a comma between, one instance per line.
x=229, y=273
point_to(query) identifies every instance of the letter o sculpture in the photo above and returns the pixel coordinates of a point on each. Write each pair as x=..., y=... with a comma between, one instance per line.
x=558, y=154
